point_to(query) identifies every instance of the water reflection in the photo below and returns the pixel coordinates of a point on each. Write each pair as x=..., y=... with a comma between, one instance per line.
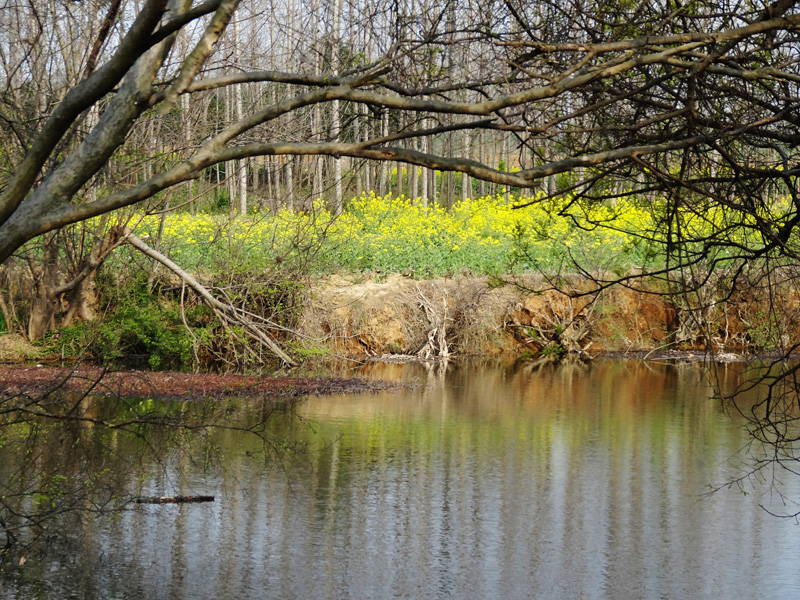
x=478, y=482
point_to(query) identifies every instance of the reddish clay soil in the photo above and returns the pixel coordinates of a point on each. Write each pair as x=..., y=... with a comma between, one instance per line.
x=34, y=381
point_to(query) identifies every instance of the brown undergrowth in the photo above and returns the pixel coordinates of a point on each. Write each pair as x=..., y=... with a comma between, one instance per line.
x=476, y=316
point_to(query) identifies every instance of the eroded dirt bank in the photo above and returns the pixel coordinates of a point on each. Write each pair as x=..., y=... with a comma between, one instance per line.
x=469, y=316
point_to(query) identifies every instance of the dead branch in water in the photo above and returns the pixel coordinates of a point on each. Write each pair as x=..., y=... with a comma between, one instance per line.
x=174, y=499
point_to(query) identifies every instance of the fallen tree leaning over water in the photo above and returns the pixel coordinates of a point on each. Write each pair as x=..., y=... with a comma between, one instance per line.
x=254, y=327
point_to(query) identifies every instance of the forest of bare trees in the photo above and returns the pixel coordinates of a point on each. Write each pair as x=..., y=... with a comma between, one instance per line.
x=267, y=103
x=105, y=105
x=113, y=106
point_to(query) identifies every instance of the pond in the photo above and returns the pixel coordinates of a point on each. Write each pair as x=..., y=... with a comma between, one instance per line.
x=579, y=481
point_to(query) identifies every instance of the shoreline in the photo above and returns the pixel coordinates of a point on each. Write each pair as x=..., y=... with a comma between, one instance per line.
x=397, y=318
x=23, y=380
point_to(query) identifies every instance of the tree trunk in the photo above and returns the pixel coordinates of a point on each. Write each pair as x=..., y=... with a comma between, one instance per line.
x=431, y=172
x=384, y=178
x=481, y=159
x=45, y=301
x=230, y=166
x=424, y=182
x=337, y=117
x=507, y=159
x=466, y=181
x=412, y=182
x=187, y=140
x=399, y=178
x=238, y=91
x=50, y=296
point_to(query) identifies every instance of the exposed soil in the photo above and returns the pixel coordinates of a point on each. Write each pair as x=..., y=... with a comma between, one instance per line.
x=371, y=318
x=394, y=316
x=34, y=381
x=363, y=318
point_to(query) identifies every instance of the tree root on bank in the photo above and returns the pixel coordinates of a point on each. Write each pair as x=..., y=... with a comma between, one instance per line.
x=438, y=318
x=555, y=326
x=254, y=326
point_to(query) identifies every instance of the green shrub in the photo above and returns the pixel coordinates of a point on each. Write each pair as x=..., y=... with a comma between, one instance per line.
x=141, y=331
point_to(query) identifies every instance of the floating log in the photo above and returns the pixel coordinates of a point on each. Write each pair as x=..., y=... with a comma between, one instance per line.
x=173, y=499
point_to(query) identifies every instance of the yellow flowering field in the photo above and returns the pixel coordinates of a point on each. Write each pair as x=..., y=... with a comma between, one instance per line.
x=483, y=236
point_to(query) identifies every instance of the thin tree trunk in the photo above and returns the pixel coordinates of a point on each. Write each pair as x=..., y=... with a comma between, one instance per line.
x=507, y=158
x=337, y=117
x=318, y=185
x=466, y=180
x=481, y=159
x=241, y=167
x=424, y=183
x=230, y=166
x=337, y=171
x=412, y=182
x=187, y=138
x=384, y=179
x=399, y=179
x=356, y=168
x=243, y=186
x=431, y=173
x=289, y=183
x=451, y=179
x=268, y=181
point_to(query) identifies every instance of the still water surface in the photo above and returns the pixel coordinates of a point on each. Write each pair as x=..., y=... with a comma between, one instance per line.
x=479, y=482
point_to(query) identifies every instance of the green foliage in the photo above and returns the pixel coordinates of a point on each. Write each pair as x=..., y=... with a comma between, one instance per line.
x=263, y=262
x=222, y=200
x=763, y=333
x=306, y=349
x=139, y=329
x=387, y=234
x=260, y=264
x=521, y=255
x=554, y=351
x=145, y=329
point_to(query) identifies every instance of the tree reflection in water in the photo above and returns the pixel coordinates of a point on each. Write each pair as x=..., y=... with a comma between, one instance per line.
x=511, y=481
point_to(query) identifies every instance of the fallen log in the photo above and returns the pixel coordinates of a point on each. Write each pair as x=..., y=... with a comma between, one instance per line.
x=173, y=499
x=227, y=313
